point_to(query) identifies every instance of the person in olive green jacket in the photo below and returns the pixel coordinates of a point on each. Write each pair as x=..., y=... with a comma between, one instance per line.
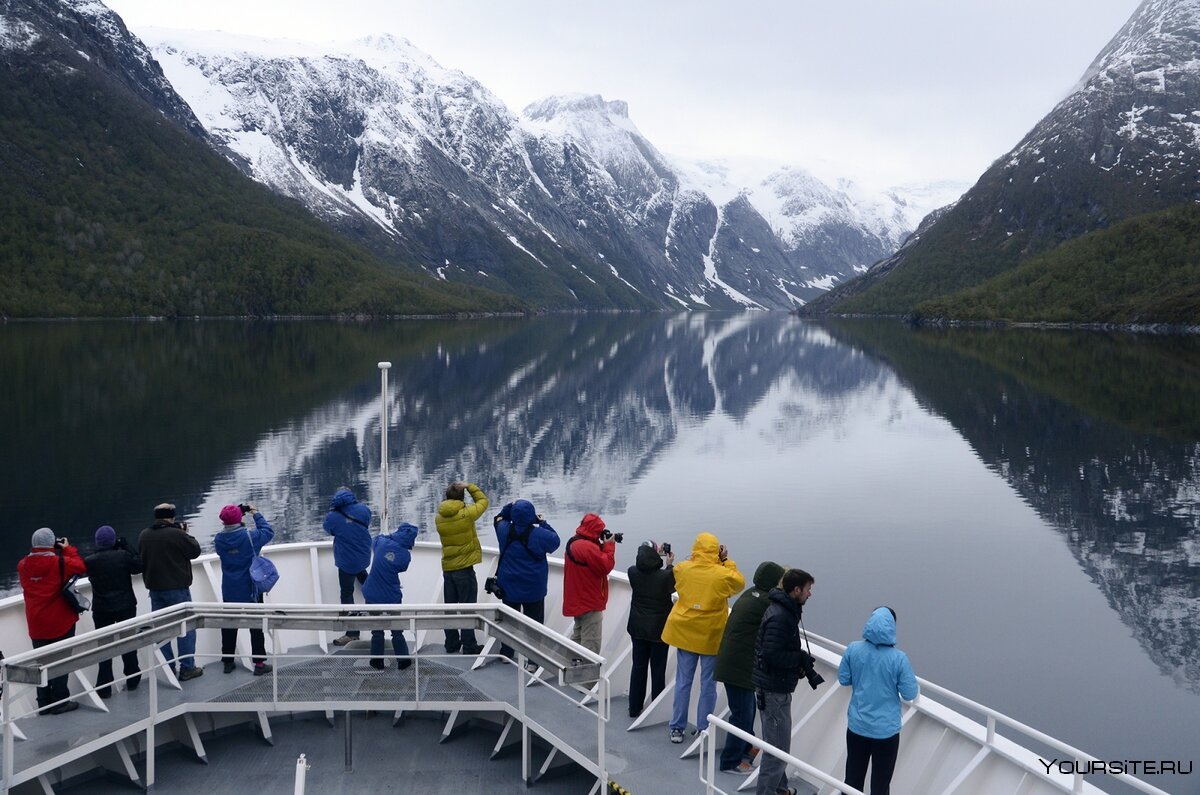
x=735, y=665
x=455, y=523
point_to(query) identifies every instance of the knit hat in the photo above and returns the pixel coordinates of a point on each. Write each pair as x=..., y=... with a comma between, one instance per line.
x=164, y=510
x=231, y=515
x=105, y=537
x=43, y=537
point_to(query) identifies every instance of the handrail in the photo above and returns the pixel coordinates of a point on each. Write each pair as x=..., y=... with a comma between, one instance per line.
x=707, y=776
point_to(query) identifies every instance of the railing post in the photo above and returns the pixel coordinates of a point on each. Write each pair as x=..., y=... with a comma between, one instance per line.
x=525, y=754
x=150, y=727
x=383, y=442
x=991, y=730
x=349, y=740
x=6, y=706
x=710, y=772
x=301, y=770
x=601, y=718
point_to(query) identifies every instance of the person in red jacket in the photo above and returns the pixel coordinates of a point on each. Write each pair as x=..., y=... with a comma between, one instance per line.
x=589, y=557
x=49, y=564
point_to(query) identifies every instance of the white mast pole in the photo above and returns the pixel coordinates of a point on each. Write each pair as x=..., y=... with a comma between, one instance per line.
x=383, y=443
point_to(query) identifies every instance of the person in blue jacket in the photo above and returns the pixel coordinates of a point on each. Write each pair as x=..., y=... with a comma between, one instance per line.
x=349, y=522
x=879, y=675
x=236, y=546
x=393, y=553
x=525, y=540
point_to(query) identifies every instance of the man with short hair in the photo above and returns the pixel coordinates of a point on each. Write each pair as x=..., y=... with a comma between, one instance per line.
x=461, y=550
x=779, y=662
x=167, y=553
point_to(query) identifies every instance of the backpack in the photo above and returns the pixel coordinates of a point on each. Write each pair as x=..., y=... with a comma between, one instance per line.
x=263, y=573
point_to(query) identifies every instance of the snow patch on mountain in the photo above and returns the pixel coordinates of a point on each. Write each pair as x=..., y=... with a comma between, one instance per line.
x=15, y=34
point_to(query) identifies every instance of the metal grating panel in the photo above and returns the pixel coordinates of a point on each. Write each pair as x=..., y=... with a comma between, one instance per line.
x=350, y=678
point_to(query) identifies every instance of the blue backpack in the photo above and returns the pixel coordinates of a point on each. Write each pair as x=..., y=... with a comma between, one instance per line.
x=263, y=574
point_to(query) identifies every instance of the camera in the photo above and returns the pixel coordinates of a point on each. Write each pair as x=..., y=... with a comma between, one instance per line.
x=61, y=541
x=607, y=534
x=492, y=585
x=245, y=508
x=666, y=548
x=808, y=665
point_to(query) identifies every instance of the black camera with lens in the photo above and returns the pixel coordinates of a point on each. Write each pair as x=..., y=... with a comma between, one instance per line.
x=244, y=508
x=492, y=585
x=808, y=666
x=666, y=548
x=607, y=534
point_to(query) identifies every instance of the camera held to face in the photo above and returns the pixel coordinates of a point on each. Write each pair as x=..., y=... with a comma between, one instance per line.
x=607, y=534
x=665, y=548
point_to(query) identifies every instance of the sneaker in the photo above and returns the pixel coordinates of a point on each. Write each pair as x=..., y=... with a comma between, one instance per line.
x=229, y=666
x=744, y=768
x=531, y=666
x=676, y=735
x=190, y=673
x=262, y=668
x=344, y=640
x=66, y=706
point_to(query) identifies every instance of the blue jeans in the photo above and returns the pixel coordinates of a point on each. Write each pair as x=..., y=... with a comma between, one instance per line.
x=186, y=641
x=685, y=672
x=741, y=714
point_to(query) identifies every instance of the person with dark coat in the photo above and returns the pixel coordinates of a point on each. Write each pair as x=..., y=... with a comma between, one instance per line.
x=735, y=665
x=392, y=554
x=110, y=570
x=525, y=539
x=651, y=582
x=167, y=553
x=588, y=559
x=349, y=522
x=779, y=662
x=43, y=572
x=236, y=546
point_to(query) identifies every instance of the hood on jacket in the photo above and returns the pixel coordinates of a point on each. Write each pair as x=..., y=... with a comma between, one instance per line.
x=591, y=526
x=341, y=498
x=767, y=575
x=881, y=628
x=648, y=559
x=449, y=508
x=406, y=535
x=706, y=549
x=523, y=513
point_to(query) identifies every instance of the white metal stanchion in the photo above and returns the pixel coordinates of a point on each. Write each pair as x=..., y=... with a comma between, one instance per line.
x=383, y=442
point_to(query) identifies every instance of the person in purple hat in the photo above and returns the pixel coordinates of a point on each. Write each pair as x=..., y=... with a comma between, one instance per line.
x=110, y=569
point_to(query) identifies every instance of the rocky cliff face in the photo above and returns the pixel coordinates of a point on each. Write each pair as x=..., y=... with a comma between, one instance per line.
x=567, y=204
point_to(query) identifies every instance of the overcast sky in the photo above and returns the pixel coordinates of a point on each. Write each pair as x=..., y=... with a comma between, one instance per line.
x=885, y=91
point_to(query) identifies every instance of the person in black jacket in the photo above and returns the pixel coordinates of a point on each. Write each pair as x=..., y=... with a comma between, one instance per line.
x=652, y=583
x=167, y=553
x=779, y=662
x=110, y=569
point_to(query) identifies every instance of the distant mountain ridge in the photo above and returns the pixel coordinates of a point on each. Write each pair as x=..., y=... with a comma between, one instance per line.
x=1126, y=142
x=567, y=205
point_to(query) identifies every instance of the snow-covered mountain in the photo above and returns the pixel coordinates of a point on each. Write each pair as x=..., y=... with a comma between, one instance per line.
x=567, y=204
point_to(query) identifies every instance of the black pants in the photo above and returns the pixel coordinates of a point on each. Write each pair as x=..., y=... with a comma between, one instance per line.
x=258, y=643
x=129, y=659
x=652, y=655
x=346, y=588
x=56, y=688
x=460, y=587
x=881, y=754
x=535, y=610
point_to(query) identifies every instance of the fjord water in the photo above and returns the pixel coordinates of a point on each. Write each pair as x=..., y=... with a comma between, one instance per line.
x=1025, y=500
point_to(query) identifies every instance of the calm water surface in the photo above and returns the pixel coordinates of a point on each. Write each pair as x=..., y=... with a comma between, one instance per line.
x=1026, y=501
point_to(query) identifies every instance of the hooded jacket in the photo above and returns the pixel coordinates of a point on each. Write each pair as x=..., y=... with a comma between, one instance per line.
x=46, y=610
x=110, y=571
x=236, y=546
x=524, y=544
x=704, y=583
x=586, y=565
x=652, y=582
x=393, y=553
x=880, y=675
x=735, y=659
x=455, y=523
x=349, y=522
x=779, y=658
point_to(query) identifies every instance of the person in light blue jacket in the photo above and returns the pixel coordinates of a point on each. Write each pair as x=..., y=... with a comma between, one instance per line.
x=349, y=522
x=880, y=676
x=393, y=553
x=236, y=546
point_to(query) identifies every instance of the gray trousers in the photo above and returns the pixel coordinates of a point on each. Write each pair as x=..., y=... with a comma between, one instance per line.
x=776, y=730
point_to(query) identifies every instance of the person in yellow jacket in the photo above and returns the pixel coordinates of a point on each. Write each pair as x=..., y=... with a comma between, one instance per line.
x=705, y=582
x=455, y=523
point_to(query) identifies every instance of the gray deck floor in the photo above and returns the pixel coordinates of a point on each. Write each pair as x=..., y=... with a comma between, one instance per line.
x=408, y=757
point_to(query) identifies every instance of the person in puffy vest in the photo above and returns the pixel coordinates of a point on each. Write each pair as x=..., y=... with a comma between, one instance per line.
x=349, y=522
x=461, y=550
x=43, y=572
x=704, y=583
x=525, y=539
x=779, y=662
x=110, y=570
x=879, y=675
x=735, y=665
x=651, y=583
x=236, y=546
x=392, y=554
x=588, y=558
